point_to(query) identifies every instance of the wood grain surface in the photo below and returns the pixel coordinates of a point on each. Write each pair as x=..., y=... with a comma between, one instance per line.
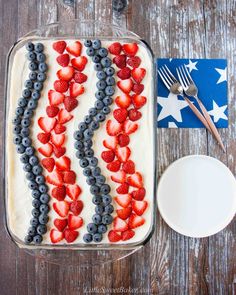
x=169, y=264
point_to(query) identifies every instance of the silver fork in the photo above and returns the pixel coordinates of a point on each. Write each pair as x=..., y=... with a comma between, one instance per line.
x=191, y=89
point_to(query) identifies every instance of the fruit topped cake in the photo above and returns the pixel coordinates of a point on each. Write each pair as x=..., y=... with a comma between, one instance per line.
x=80, y=142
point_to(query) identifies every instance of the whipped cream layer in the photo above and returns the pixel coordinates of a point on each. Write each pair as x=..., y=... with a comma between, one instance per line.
x=19, y=199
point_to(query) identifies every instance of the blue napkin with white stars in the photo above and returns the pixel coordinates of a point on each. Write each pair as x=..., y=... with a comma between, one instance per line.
x=210, y=76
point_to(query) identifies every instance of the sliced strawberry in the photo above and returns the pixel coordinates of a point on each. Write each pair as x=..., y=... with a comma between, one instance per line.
x=114, y=166
x=138, y=74
x=139, y=194
x=129, y=167
x=61, y=208
x=74, y=48
x=63, y=164
x=138, y=88
x=64, y=116
x=76, y=89
x=55, y=98
x=59, y=192
x=73, y=191
x=123, y=139
x=134, y=61
x=79, y=63
x=70, y=103
x=108, y=156
x=63, y=60
x=110, y=142
x=55, y=178
x=139, y=207
x=56, y=236
x=52, y=111
x=113, y=236
x=138, y=101
x=128, y=234
x=119, y=224
x=59, y=151
x=113, y=128
x=59, y=46
x=130, y=49
x=123, y=200
x=76, y=207
x=66, y=73
x=47, y=124
x=120, y=115
x=130, y=127
x=59, y=128
x=123, y=189
x=120, y=61
x=124, y=73
x=57, y=139
x=134, y=114
x=135, y=221
x=46, y=150
x=123, y=101
x=124, y=213
x=80, y=77
x=135, y=180
x=119, y=177
x=61, y=86
x=74, y=222
x=69, y=177
x=60, y=224
x=115, y=48
x=123, y=153
x=48, y=163
x=125, y=85
x=44, y=137
x=70, y=235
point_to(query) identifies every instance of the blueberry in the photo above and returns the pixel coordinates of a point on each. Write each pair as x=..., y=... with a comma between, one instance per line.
x=96, y=59
x=106, y=62
x=78, y=145
x=78, y=135
x=97, y=238
x=25, y=131
x=119, y=5
x=80, y=154
x=37, y=169
x=101, y=75
x=34, y=221
x=102, y=228
x=96, y=171
x=16, y=129
x=87, y=171
x=43, y=188
x=97, y=200
x=100, y=94
x=33, y=76
x=41, y=77
x=44, y=198
x=36, y=194
x=31, y=56
x=91, y=180
x=103, y=52
x=29, y=151
x=88, y=133
x=107, y=100
x=33, y=66
x=101, y=85
x=97, y=67
x=90, y=51
x=87, y=43
x=35, y=212
x=43, y=218
x=100, y=117
x=97, y=218
x=35, y=95
x=29, y=46
x=41, y=57
x=37, y=239
x=28, y=113
x=26, y=93
x=43, y=67
x=41, y=229
x=110, y=81
x=20, y=149
x=92, y=112
x=92, y=228
x=38, y=85
x=108, y=209
x=106, y=199
x=16, y=120
x=94, y=189
x=32, y=185
x=17, y=139
x=30, y=176
x=87, y=238
x=93, y=161
x=83, y=163
x=29, y=84
x=26, y=141
x=40, y=179
x=44, y=208
x=106, y=110
x=99, y=209
x=33, y=160
x=25, y=122
x=24, y=159
x=27, y=167
x=32, y=104
x=88, y=143
x=88, y=119
x=96, y=44
x=100, y=179
x=109, y=71
x=28, y=239
x=89, y=153
x=94, y=125
x=109, y=90
x=82, y=126
x=107, y=219
x=19, y=111
x=38, y=47
x=22, y=102
x=32, y=231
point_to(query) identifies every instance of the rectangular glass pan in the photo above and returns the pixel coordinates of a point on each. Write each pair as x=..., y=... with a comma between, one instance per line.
x=78, y=31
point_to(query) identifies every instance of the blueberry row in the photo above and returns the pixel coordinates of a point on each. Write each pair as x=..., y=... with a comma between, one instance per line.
x=31, y=165
x=96, y=115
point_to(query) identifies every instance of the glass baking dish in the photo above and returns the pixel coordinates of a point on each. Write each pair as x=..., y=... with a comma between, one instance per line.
x=80, y=30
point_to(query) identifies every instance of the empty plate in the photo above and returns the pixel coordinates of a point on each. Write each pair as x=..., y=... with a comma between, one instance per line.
x=197, y=196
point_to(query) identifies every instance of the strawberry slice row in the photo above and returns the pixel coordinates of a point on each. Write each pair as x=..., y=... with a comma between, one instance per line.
x=63, y=99
x=130, y=190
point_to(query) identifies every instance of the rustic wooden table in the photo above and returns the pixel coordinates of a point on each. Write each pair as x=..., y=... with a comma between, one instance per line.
x=169, y=263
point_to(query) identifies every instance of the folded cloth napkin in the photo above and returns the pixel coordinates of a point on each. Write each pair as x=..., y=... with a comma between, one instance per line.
x=210, y=76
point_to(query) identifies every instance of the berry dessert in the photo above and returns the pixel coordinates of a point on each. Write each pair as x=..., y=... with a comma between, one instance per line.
x=80, y=143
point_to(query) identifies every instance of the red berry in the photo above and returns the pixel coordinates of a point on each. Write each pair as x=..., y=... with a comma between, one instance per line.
x=120, y=115
x=115, y=48
x=124, y=73
x=69, y=177
x=63, y=60
x=134, y=61
x=114, y=166
x=134, y=115
x=52, y=111
x=108, y=156
x=61, y=86
x=76, y=207
x=70, y=103
x=44, y=137
x=130, y=49
x=129, y=167
x=70, y=235
x=123, y=139
x=120, y=61
x=59, y=192
x=80, y=77
x=59, y=46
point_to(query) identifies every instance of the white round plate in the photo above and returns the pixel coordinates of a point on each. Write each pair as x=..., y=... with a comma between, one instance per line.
x=196, y=196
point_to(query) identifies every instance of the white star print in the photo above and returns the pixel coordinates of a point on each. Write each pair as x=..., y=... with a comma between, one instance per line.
x=191, y=65
x=218, y=112
x=171, y=106
x=172, y=125
x=222, y=75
